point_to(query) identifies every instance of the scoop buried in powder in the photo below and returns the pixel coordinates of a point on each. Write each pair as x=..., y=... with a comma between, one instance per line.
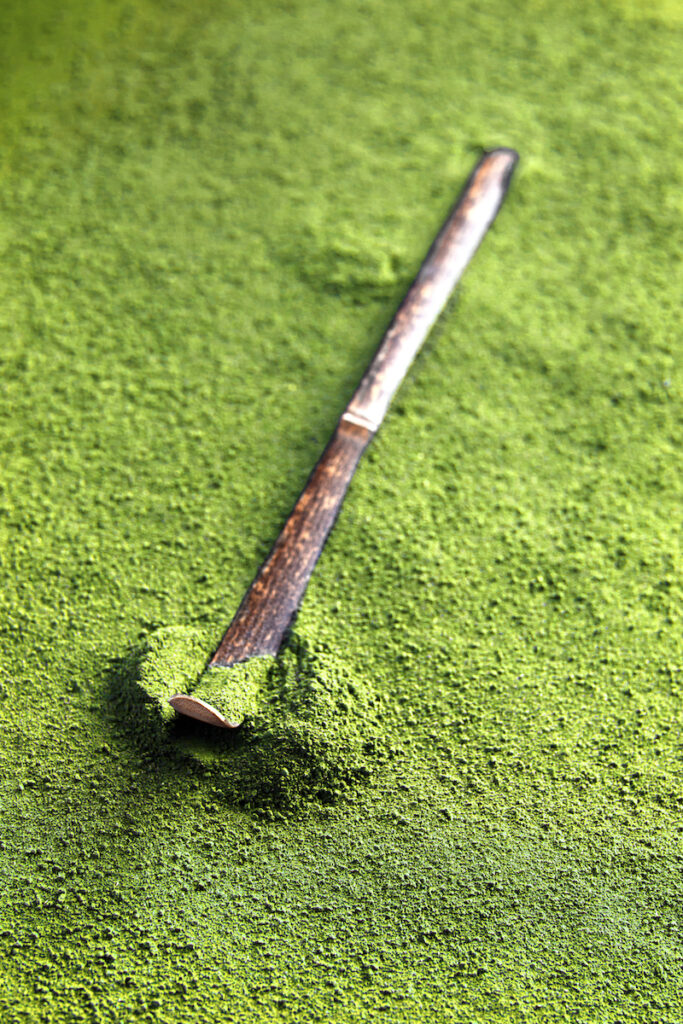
x=310, y=728
x=224, y=697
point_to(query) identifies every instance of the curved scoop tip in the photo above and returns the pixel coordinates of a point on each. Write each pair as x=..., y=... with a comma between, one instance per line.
x=194, y=707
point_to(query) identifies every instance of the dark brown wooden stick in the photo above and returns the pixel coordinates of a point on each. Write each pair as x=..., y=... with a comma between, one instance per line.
x=267, y=610
x=271, y=602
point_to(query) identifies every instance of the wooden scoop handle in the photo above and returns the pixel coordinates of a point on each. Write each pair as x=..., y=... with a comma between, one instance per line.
x=444, y=264
x=272, y=600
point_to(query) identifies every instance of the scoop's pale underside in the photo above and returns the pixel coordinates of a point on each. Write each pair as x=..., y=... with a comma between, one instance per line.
x=195, y=707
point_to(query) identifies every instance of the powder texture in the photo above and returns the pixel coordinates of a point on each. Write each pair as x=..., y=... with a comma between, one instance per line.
x=460, y=796
x=170, y=660
x=236, y=692
x=313, y=732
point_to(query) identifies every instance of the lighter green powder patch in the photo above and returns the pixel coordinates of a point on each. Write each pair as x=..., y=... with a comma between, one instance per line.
x=170, y=661
x=237, y=691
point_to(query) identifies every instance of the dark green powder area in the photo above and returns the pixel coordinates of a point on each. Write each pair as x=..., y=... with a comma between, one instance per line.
x=461, y=798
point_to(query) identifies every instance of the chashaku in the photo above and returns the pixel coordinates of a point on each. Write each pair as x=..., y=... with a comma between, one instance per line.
x=257, y=631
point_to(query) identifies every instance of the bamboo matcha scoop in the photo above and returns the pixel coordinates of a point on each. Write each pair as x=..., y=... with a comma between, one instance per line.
x=270, y=604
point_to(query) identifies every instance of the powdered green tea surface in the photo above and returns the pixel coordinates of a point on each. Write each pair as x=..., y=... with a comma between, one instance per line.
x=462, y=799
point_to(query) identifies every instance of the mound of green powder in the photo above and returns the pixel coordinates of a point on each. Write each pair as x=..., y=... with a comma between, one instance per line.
x=309, y=731
x=170, y=661
x=236, y=692
x=315, y=735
